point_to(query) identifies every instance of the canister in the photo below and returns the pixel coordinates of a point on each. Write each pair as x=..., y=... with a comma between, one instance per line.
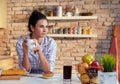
x=59, y=11
x=51, y=13
x=65, y=31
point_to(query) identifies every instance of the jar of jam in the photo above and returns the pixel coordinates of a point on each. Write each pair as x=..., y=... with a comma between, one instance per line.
x=90, y=31
x=70, y=30
x=51, y=13
x=84, y=31
x=75, y=30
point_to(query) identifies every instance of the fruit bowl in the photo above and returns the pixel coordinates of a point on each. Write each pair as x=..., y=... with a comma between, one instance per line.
x=90, y=77
x=88, y=70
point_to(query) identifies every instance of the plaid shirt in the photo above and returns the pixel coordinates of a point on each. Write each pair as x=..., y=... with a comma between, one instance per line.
x=48, y=47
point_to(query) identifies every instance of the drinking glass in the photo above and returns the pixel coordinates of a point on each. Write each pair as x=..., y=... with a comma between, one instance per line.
x=67, y=71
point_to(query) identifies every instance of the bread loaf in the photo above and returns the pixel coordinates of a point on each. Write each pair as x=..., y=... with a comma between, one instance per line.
x=13, y=72
x=48, y=74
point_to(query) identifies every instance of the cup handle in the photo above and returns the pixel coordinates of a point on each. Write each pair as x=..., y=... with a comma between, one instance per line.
x=35, y=43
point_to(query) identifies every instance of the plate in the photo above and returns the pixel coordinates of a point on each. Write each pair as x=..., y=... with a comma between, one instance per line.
x=46, y=77
x=38, y=76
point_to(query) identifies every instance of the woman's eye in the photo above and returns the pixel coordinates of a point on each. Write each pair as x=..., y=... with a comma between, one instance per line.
x=43, y=26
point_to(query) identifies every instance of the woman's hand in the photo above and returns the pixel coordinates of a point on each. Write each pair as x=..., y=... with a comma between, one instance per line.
x=25, y=46
x=34, y=49
x=37, y=48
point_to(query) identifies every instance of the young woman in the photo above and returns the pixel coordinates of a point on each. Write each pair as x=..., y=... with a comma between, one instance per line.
x=41, y=58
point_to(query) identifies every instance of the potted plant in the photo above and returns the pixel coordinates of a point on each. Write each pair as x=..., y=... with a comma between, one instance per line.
x=108, y=75
x=42, y=9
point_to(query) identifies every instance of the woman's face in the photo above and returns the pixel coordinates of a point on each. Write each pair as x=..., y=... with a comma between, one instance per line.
x=41, y=29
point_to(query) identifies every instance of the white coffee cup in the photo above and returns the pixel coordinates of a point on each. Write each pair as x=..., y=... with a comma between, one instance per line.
x=32, y=43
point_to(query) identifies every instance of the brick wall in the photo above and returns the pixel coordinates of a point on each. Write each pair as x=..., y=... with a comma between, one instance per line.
x=108, y=12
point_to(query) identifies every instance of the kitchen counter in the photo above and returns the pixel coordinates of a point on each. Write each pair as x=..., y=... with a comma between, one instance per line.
x=57, y=79
x=38, y=79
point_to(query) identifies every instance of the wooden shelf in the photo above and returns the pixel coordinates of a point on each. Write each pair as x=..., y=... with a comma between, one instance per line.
x=73, y=35
x=71, y=17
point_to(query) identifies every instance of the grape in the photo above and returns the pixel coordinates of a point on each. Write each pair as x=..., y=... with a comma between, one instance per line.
x=92, y=72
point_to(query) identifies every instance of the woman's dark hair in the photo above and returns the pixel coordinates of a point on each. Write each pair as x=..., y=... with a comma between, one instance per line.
x=35, y=16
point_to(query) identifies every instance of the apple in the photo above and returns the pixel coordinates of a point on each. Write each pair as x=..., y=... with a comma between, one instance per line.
x=88, y=59
x=95, y=64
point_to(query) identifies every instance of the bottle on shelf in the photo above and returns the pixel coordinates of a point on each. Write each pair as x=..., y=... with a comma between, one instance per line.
x=79, y=29
x=55, y=28
x=50, y=29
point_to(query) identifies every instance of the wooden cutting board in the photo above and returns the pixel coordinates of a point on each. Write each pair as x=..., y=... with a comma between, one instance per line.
x=9, y=77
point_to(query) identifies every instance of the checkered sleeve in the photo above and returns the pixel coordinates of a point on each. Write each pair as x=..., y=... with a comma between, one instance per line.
x=19, y=50
x=51, y=55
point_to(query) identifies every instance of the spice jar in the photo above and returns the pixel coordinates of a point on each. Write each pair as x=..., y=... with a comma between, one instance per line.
x=51, y=13
x=79, y=30
x=70, y=30
x=90, y=31
x=84, y=31
x=53, y=31
x=65, y=31
x=75, y=30
x=60, y=31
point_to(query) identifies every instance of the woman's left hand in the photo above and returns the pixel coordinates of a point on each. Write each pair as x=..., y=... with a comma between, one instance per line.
x=37, y=48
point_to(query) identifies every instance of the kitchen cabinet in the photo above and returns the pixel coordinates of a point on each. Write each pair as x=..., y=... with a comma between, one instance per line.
x=69, y=18
x=3, y=14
